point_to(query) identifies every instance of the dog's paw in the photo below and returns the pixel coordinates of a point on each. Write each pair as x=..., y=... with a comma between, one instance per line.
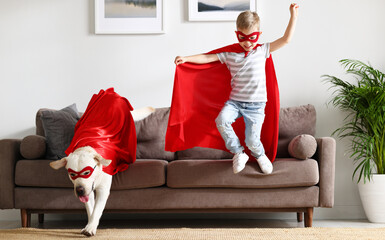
x=89, y=230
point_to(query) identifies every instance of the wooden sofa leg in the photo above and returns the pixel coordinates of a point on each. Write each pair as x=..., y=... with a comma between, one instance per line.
x=299, y=217
x=41, y=217
x=25, y=218
x=309, y=217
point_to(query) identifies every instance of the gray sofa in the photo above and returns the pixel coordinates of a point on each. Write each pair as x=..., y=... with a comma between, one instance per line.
x=196, y=180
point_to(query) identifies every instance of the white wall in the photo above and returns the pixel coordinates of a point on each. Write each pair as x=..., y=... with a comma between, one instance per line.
x=49, y=57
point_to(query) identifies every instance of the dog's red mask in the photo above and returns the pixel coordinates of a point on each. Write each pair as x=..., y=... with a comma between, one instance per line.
x=253, y=37
x=84, y=173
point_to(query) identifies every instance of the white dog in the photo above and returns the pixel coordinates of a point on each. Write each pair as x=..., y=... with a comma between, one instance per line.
x=84, y=167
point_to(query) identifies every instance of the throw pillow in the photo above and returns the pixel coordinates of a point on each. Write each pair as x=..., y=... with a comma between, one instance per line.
x=33, y=147
x=59, y=128
x=302, y=146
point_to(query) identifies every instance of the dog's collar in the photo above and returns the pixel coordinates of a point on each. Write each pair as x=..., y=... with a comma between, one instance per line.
x=84, y=173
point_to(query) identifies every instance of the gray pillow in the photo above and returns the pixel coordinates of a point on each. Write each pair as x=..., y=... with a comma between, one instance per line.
x=302, y=146
x=33, y=147
x=59, y=128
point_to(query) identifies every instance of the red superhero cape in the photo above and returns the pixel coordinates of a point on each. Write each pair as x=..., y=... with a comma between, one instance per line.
x=200, y=92
x=108, y=127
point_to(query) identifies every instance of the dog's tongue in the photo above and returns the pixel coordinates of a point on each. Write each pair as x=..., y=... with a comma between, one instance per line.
x=83, y=199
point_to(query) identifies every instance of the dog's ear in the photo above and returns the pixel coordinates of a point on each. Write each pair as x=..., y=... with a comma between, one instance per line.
x=58, y=164
x=101, y=160
x=141, y=113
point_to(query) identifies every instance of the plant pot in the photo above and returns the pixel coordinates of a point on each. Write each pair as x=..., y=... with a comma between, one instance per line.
x=373, y=198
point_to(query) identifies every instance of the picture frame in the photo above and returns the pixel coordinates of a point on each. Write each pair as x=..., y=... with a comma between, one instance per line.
x=218, y=10
x=129, y=17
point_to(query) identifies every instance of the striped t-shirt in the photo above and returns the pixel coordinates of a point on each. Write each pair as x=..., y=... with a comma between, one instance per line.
x=248, y=79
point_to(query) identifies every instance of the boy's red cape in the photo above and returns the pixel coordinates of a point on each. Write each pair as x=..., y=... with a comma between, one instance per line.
x=199, y=94
x=108, y=127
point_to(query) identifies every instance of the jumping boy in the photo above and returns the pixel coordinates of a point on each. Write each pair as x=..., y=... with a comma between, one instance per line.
x=248, y=95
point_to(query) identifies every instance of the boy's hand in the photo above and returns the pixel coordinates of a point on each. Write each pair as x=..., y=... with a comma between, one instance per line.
x=286, y=38
x=294, y=9
x=179, y=60
x=197, y=59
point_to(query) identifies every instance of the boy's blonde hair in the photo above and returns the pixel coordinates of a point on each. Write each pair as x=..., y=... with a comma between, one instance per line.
x=247, y=20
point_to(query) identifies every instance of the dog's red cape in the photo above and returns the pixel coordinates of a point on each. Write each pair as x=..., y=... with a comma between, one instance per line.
x=108, y=127
x=199, y=94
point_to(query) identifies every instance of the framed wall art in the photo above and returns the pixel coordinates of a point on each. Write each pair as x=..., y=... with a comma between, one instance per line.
x=218, y=10
x=129, y=17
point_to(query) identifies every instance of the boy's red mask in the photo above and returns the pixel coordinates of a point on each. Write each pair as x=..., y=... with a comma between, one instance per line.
x=248, y=37
x=84, y=173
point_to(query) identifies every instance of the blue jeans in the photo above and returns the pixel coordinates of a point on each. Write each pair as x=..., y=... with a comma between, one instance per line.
x=253, y=114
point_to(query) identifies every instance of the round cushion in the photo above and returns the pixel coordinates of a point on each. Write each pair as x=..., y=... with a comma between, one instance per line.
x=33, y=147
x=302, y=146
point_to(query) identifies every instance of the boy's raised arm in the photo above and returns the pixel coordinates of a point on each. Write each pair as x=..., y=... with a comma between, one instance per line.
x=286, y=38
x=199, y=59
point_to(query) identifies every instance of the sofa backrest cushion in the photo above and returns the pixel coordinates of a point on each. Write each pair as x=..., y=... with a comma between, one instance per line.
x=151, y=134
x=294, y=121
x=150, y=131
x=203, y=153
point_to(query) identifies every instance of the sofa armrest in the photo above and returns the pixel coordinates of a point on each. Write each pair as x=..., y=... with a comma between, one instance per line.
x=9, y=154
x=326, y=155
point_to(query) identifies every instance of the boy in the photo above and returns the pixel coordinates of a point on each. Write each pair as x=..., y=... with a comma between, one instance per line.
x=248, y=94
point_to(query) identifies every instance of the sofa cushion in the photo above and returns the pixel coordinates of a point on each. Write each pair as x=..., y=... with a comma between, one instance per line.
x=141, y=174
x=287, y=172
x=302, y=146
x=151, y=134
x=294, y=121
x=33, y=147
x=144, y=173
x=203, y=153
x=59, y=127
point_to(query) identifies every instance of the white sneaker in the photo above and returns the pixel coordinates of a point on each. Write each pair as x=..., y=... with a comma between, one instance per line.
x=265, y=164
x=239, y=162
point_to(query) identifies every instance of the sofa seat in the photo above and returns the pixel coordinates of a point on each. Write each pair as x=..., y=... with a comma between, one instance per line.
x=288, y=172
x=142, y=174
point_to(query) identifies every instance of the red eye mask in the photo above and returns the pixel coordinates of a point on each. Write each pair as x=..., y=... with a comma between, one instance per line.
x=84, y=173
x=247, y=37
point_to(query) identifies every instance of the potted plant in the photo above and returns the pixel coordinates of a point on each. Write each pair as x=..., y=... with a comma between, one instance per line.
x=364, y=126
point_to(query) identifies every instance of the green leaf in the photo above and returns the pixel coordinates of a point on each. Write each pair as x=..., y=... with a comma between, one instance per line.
x=363, y=102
